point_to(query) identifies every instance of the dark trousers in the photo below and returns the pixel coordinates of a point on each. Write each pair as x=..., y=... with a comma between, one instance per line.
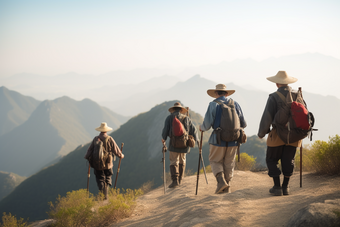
x=103, y=177
x=284, y=153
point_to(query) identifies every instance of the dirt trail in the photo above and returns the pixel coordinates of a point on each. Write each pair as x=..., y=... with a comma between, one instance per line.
x=249, y=203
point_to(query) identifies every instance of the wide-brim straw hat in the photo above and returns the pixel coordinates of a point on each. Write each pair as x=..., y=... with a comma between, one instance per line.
x=176, y=105
x=282, y=78
x=104, y=128
x=219, y=87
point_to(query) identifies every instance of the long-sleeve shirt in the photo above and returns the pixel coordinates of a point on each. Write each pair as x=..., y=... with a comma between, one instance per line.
x=212, y=119
x=189, y=127
x=111, y=147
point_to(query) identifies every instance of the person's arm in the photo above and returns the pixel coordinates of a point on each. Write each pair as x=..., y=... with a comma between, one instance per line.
x=166, y=128
x=209, y=117
x=267, y=117
x=239, y=112
x=115, y=149
x=90, y=149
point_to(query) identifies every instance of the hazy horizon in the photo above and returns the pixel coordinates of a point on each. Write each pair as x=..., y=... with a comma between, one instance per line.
x=51, y=38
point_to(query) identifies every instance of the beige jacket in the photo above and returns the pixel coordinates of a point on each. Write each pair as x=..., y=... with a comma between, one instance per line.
x=274, y=140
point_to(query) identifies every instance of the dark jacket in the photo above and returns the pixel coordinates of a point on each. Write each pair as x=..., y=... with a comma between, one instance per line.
x=189, y=127
x=267, y=119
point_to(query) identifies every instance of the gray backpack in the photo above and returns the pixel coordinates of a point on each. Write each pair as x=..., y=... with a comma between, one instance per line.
x=230, y=128
x=99, y=157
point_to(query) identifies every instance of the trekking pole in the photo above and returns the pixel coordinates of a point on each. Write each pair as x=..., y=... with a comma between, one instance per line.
x=120, y=159
x=199, y=162
x=163, y=160
x=300, y=151
x=301, y=166
x=88, y=177
x=205, y=173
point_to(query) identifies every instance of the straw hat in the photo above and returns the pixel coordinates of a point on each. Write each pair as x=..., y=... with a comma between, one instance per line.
x=177, y=104
x=104, y=128
x=219, y=87
x=282, y=78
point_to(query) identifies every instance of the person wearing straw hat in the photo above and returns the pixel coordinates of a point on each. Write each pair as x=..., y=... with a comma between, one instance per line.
x=103, y=176
x=221, y=153
x=276, y=148
x=177, y=156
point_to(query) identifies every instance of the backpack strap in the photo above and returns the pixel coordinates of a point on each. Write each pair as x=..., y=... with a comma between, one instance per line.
x=281, y=96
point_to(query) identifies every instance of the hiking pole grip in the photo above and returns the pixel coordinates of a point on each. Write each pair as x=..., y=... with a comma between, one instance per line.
x=118, y=169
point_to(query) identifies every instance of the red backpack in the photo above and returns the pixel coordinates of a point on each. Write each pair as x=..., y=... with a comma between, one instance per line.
x=293, y=121
x=177, y=127
x=179, y=136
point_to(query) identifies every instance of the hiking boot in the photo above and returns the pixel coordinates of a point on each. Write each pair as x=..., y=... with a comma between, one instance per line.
x=285, y=191
x=221, y=184
x=227, y=189
x=174, y=176
x=173, y=184
x=276, y=190
x=181, y=173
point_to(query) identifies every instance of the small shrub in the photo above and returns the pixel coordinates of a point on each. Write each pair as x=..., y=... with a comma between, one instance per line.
x=8, y=220
x=246, y=162
x=73, y=210
x=80, y=208
x=321, y=157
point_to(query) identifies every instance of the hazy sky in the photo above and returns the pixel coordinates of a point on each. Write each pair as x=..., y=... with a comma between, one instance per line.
x=94, y=37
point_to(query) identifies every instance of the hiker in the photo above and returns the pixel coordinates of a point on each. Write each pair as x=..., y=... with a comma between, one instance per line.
x=177, y=154
x=104, y=174
x=276, y=148
x=221, y=153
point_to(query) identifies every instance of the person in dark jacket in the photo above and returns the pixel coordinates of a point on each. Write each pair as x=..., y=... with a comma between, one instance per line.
x=177, y=156
x=276, y=148
x=103, y=176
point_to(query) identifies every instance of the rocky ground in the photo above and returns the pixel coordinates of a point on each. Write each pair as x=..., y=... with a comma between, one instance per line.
x=249, y=203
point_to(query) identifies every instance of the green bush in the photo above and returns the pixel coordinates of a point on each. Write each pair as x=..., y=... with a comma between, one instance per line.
x=246, y=162
x=8, y=220
x=80, y=208
x=321, y=157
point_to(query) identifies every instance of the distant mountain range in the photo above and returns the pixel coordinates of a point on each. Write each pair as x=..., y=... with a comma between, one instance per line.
x=310, y=68
x=193, y=93
x=53, y=129
x=142, y=163
x=15, y=109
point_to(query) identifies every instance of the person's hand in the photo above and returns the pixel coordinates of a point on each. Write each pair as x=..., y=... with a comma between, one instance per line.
x=200, y=128
x=163, y=141
x=122, y=156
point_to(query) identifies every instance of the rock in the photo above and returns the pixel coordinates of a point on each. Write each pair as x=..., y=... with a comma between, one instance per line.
x=317, y=214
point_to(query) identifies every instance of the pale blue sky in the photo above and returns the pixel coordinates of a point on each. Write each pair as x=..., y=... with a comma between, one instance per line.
x=94, y=37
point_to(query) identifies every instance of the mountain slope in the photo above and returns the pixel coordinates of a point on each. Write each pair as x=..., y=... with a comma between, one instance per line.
x=142, y=163
x=15, y=109
x=8, y=181
x=54, y=129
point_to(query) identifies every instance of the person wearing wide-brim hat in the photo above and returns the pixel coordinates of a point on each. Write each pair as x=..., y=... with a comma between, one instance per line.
x=221, y=153
x=103, y=174
x=178, y=151
x=276, y=148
